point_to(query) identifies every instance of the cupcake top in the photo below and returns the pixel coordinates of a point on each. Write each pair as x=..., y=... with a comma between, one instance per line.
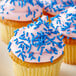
x=21, y=10
x=54, y=7
x=66, y=22
x=38, y=42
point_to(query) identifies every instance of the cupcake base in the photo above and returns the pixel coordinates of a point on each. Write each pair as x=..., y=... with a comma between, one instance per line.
x=70, y=54
x=70, y=51
x=35, y=69
x=6, y=33
x=8, y=27
x=52, y=70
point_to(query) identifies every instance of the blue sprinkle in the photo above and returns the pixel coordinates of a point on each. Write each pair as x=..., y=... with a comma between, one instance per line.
x=9, y=50
x=6, y=12
x=40, y=4
x=67, y=32
x=2, y=9
x=18, y=51
x=32, y=20
x=21, y=4
x=2, y=17
x=32, y=34
x=12, y=9
x=49, y=43
x=29, y=49
x=47, y=51
x=14, y=3
x=60, y=38
x=41, y=13
x=25, y=56
x=29, y=11
x=37, y=10
x=62, y=52
x=45, y=29
x=68, y=29
x=9, y=45
x=34, y=14
x=26, y=34
x=39, y=59
x=22, y=56
x=18, y=3
x=28, y=39
x=52, y=25
x=52, y=19
x=73, y=31
x=23, y=51
x=41, y=50
x=51, y=59
x=32, y=58
x=6, y=1
x=74, y=38
x=15, y=32
x=31, y=54
x=18, y=17
x=26, y=15
x=20, y=46
x=47, y=17
x=1, y=12
x=38, y=48
x=67, y=37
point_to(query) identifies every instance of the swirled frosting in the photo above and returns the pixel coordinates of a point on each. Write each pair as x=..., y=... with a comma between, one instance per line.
x=19, y=10
x=54, y=7
x=66, y=22
x=38, y=42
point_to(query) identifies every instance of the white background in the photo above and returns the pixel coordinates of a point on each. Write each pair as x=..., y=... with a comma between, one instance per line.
x=6, y=64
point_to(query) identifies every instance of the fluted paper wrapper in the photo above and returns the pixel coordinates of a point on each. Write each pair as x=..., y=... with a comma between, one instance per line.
x=52, y=70
x=70, y=54
x=7, y=32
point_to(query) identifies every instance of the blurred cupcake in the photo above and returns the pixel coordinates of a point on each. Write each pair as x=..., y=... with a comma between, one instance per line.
x=36, y=50
x=66, y=24
x=17, y=13
x=54, y=7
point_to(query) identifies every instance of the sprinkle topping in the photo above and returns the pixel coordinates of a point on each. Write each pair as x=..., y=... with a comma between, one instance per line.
x=37, y=41
x=21, y=10
x=67, y=24
x=56, y=6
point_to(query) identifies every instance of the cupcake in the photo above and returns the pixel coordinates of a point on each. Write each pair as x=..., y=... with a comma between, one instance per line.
x=54, y=7
x=36, y=50
x=66, y=24
x=15, y=14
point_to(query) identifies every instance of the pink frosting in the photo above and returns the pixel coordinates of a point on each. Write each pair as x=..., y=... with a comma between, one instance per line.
x=45, y=57
x=59, y=4
x=63, y=20
x=20, y=11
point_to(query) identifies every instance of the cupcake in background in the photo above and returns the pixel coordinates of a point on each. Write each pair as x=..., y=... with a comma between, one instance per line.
x=15, y=14
x=36, y=50
x=54, y=7
x=66, y=24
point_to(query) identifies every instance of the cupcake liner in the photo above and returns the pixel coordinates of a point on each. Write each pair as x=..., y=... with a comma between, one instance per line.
x=7, y=32
x=52, y=70
x=70, y=54
x=8, y=27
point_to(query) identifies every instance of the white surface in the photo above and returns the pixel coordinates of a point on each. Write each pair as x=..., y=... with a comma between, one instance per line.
x=6, y=64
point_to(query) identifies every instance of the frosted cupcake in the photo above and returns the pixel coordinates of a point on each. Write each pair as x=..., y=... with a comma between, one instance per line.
x=66, y=23
x=54, y=7
x=36, y=50
x=17, y=13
